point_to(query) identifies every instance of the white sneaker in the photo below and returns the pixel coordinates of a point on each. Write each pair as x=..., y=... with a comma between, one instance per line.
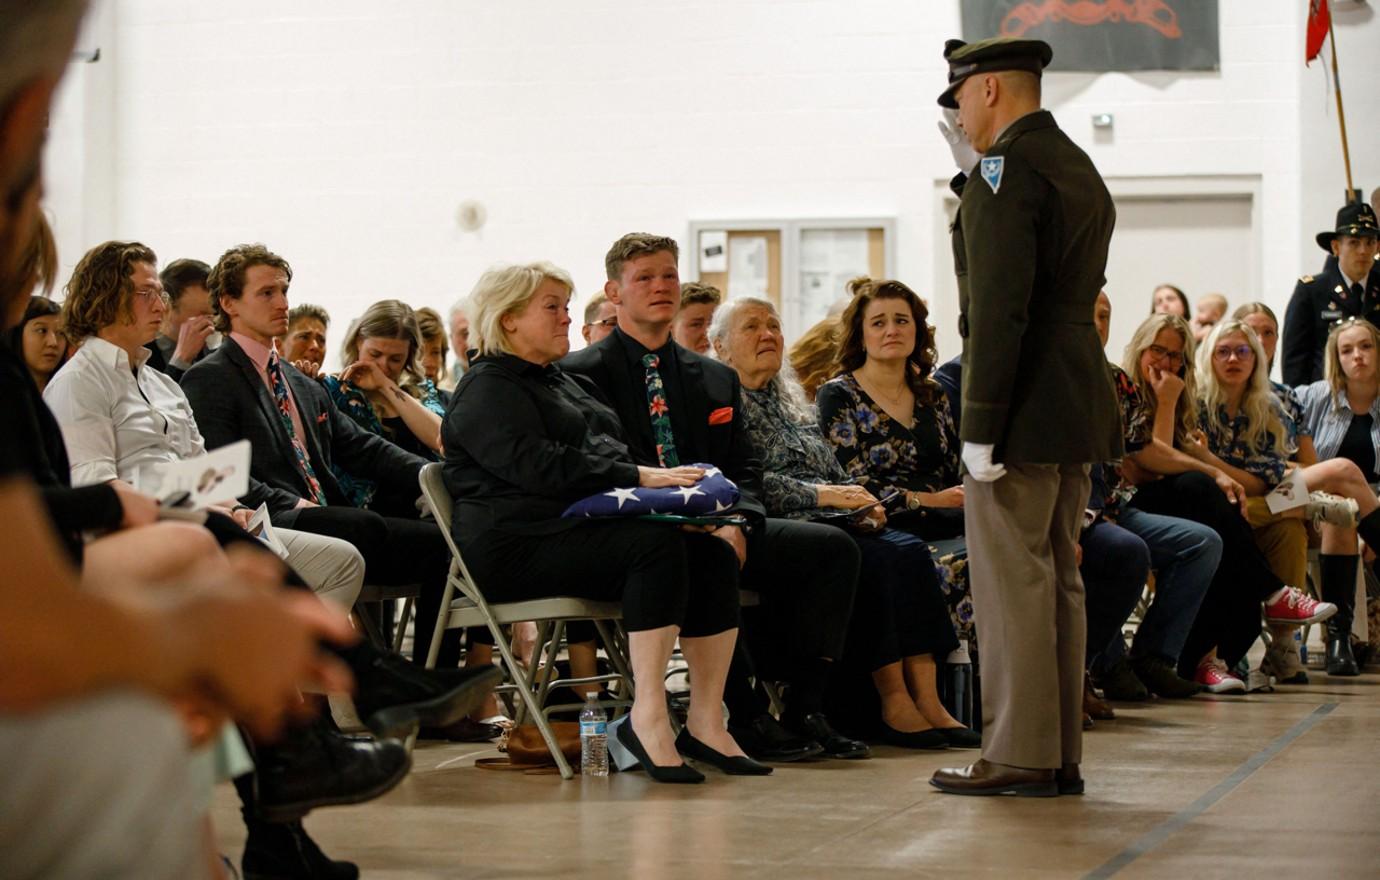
x=1333, y=509
x=1258, y=682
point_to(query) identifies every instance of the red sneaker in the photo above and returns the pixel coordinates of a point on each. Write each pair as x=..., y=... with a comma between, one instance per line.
x=1215, y=678
x=1294, y=607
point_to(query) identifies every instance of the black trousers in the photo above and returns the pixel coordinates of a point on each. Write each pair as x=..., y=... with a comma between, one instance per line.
x=899, y=610
x=807, y=575
x=1115, y=566
x=662, y=575
x=395, y=551
x=1229, y=617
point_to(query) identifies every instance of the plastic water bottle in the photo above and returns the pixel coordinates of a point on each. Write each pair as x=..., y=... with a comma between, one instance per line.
x=594, y=746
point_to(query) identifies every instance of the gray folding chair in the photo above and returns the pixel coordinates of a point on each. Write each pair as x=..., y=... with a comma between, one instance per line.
x=372, y=594
x=467, y=607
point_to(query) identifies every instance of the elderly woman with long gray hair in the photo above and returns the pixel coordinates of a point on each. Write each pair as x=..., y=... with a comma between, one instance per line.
x=900, y=621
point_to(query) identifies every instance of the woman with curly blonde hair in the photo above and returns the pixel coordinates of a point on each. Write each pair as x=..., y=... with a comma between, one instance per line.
x=815, y=355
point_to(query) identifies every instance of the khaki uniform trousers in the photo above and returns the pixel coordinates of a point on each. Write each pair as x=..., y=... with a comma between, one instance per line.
x=1022, y=533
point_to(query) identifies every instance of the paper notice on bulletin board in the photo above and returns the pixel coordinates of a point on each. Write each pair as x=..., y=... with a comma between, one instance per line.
x=713, y=251
x=747, y=266
x=829, y=259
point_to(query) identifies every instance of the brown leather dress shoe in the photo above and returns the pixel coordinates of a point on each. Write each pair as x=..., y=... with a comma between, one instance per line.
x=1068, y=779
x=1093, y=705
x=985, y=777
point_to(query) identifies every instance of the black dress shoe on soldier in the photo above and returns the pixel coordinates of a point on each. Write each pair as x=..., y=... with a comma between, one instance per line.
x=1161, y=678
x=284, y=851
x=987, y=778
x=764, y=739
x=314, y=767
x=817, y=727
x=393, y=696
x=1068, y=779
x=733, y=765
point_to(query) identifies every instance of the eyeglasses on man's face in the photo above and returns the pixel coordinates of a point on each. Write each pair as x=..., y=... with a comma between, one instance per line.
x=1241, y=352
x=1160, y=354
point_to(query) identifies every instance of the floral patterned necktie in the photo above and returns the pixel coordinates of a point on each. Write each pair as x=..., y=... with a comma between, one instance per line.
x=280, y=396
x=660, y=413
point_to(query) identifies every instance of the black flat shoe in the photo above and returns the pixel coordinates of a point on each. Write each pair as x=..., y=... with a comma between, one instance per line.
x=626, y=751
x=961, y=737
x=735, y=765
x=912, y=739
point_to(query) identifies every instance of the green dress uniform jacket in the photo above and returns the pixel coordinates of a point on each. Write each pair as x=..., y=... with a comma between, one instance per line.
x=1030, y=249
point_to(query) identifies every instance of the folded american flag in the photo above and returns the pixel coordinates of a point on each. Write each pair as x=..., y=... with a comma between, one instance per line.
x=714, y=493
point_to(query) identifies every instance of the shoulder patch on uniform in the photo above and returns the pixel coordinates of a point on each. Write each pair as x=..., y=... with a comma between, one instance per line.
x=1306, y=279
x=991, y=168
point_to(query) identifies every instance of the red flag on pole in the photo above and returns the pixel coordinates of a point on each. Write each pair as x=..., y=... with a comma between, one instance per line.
x=1319, y=20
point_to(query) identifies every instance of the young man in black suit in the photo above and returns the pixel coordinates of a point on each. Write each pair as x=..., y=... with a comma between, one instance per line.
x=679, y=408
x=243, y=390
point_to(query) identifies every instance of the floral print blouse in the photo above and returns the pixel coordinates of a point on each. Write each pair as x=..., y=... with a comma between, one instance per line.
x=1226, y=439
x=881, y=453
x=795, y=458
x=1137, y=429
x=352, y=400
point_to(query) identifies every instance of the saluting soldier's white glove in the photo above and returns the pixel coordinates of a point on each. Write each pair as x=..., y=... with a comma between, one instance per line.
x=965, y=157
x=977, y=457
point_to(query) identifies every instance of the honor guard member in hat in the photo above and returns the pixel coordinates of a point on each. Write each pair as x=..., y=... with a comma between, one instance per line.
x=1351, y=289
x=1030, y=248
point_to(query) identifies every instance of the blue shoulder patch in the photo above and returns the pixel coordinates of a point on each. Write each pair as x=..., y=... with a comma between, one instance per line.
x=991, y=169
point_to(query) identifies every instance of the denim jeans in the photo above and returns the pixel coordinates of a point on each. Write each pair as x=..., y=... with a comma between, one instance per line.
x=1185, y=555
x=1115, y=565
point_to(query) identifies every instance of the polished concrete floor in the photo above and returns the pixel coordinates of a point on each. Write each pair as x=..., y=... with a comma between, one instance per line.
x=1275, y=785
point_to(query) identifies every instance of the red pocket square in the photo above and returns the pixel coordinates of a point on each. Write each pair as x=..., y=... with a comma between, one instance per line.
x=321, y=419
x=721, y=416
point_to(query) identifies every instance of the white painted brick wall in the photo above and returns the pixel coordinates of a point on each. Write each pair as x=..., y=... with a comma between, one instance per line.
x=343, y=133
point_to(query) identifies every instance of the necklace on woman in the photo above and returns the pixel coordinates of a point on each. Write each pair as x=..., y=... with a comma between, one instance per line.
x=894, y=402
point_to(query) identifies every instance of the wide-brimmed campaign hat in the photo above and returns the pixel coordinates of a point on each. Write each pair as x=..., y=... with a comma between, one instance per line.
x=1356, y=218
x=989, y=56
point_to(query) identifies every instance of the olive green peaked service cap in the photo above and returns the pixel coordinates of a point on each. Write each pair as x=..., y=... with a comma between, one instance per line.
x=988, y=56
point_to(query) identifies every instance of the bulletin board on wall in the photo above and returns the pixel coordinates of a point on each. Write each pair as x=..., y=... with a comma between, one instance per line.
x=800, y=266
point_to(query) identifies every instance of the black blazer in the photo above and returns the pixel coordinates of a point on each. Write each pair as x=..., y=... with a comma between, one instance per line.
x=523, y=443
x=231, y=403
x=710, y=389
x=159, y=361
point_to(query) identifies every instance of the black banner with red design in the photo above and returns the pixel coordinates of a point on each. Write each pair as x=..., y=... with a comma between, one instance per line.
x=1101, y=35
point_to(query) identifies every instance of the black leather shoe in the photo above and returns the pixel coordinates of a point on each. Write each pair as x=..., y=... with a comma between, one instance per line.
x=1340, y=660
x=911, y=739
x=733, y=765
x=1068, y=779
x=284, y=851
x=1120, y=683
x=1161, y=678
x=316, y=768
x=764, y=739
x=626, y=751
x=961, y=737
x=393, y=696
x=466, y=730
x=817, y=728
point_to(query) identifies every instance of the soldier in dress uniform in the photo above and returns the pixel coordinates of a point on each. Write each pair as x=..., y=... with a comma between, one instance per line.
x=1348, y=287
x=1030, y=249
